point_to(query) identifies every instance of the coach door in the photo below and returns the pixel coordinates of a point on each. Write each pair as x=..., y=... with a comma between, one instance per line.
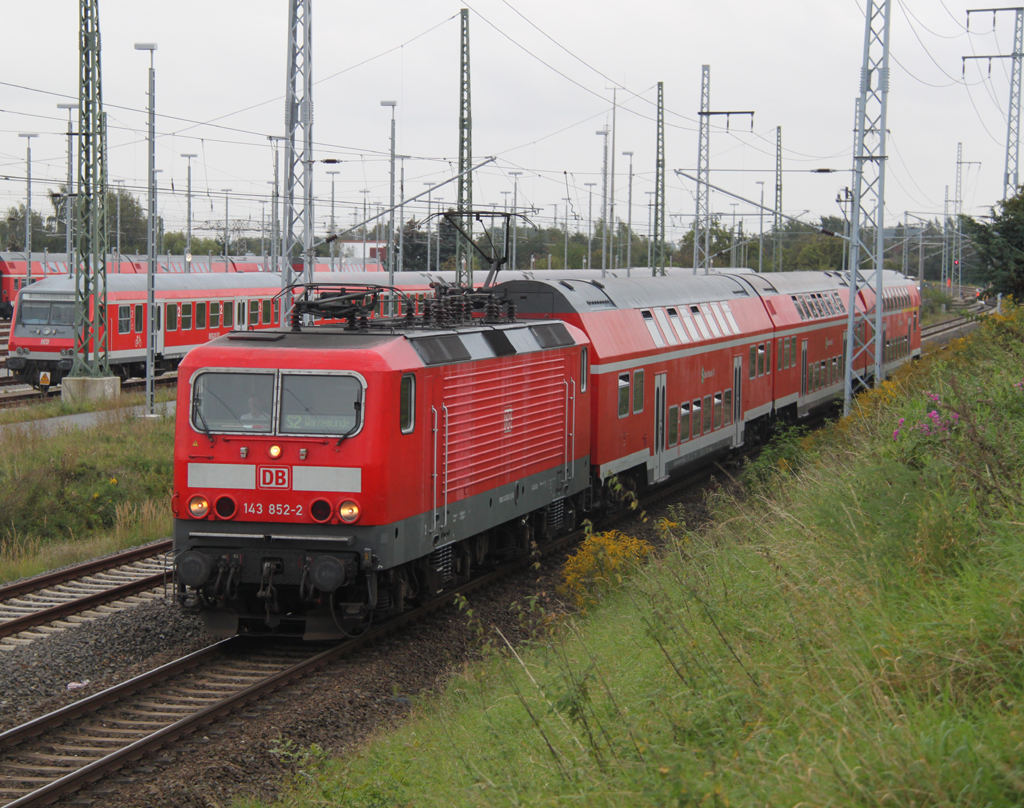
x=659, y=426
x=737, y=400
x=803, y=368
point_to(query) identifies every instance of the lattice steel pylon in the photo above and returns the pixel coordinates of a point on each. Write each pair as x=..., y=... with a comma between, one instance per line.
x=658, y=236
x=91, y=336
x=1011, y=177
x=868, y=211
x=777, y=224
x=702, y=216
x=463, y=248
x=298, y=149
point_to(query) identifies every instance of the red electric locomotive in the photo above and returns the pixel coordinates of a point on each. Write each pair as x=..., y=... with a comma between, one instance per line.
x=326, y=474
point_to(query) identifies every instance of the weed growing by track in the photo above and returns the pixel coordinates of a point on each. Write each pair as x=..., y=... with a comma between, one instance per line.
x=82, y=492
x=849, y=632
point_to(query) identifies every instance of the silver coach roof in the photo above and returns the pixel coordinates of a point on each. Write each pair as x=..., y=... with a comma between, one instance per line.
x=65, y=284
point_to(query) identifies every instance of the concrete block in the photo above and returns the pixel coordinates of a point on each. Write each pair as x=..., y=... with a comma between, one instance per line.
x=87, y=388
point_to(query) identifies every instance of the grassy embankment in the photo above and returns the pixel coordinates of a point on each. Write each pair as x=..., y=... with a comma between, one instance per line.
x=849, y=632
x=82, y=493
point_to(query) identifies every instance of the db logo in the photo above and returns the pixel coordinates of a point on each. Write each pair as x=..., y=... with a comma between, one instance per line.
x=272, y=477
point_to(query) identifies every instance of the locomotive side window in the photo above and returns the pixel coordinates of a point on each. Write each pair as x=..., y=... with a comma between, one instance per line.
x=214, y=314
x=583, y=370
x=623, y=395
x=186, y=316
x=684, y=422
x=407, y=403
x=320, y=405
x=232, y=402
x=229, y=314
x=124, y=319
x=172, y=316
x=138, y=319
x=201, y=315
x=638, y=391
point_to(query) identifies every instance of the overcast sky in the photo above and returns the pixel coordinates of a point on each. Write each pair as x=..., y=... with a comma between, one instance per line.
x=542, y=78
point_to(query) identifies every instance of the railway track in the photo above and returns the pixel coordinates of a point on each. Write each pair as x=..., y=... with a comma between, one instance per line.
x=40, y=606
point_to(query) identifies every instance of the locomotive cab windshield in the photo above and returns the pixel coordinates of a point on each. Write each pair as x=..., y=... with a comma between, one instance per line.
x=277, y=403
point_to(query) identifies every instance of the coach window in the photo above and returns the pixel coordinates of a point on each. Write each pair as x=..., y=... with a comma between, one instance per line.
x=760, y=359
x=124, y=319
x=201, y=315
x=753, y=362
x=254, y=312
x=768, y=357
x=623, y=395
x=186, y=316
x=172, y=316
x=799, y=308
x=696, y=417
x=638, y=391
x=583, y=370
x=778, y=353
x=684, y=422
x=268, y=309
x=407, y=403
x=718, y=410
x=673, y=426
x=229, y=313
x=215, y=314
x=138, y=319
x=727, y=407
x=708, y=412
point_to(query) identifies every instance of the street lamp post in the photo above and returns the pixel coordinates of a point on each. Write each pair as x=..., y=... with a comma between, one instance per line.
x=188, y=224
x=565, y=260
x=28, y=206
x=629, y=217
x=366, y=214
x=333, y=174
x=590, y=218
x=391, y=218
x=401, y=215
x=225, y=191
x=150, y=232
x=604, y=202
x=430, y=210
x=515, y=219
x=120, y=190
x=760, y=227
x=68, y=217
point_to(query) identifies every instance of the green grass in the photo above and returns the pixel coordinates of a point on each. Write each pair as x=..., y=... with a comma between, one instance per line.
x=849, y=632
x=55, y=406
x=83, y=492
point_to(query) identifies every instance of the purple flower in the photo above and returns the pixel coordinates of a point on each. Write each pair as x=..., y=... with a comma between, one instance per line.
x=895, y=434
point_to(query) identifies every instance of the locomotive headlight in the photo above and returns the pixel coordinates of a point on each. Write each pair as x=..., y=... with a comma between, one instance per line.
x=349, y=511
x=198, y=506
x=274, y=451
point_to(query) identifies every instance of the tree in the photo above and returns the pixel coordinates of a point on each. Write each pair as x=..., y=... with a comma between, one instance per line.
x=1000, y=248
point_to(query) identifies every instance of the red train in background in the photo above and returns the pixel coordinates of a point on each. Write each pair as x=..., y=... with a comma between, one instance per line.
x=15, y=275
x=328, y=474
